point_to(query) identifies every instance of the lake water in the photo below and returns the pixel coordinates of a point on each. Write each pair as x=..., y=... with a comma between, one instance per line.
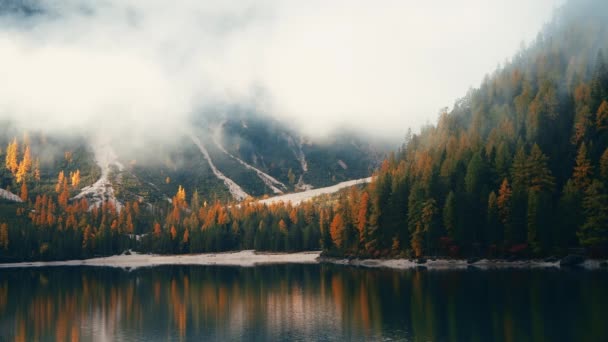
x=301, y=303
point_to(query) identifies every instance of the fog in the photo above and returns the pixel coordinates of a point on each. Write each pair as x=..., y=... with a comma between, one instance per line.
x=141, y=69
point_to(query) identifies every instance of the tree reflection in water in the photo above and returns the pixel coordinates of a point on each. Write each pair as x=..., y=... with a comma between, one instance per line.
x=320, y=302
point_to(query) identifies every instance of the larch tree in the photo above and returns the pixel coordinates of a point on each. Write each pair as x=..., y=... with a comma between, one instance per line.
x=60, y=179
x=362, y=216
x=337, y=230
x=75, y=178
x=601, y=117
x=12, y=151
x=4, y=236
x=583, y=170
x=24, y=166
x=156, y=230
x=23, y=194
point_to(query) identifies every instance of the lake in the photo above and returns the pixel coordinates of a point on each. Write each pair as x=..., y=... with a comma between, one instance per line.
x=301, y=303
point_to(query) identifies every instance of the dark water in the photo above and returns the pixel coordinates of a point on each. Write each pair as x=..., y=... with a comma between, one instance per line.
x=301, y=302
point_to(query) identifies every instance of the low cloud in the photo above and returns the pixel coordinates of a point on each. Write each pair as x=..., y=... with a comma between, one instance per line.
x=142, y=69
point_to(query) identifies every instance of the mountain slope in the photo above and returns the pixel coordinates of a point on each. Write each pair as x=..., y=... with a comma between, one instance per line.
x=227, y=157
x=518, y=167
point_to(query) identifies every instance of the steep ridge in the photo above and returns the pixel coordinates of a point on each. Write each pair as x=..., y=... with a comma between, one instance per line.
x=270, y=181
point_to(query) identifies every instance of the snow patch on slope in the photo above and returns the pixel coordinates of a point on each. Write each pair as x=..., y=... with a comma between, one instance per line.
x=298, y=152
x=299, y=197
x=7, y=195
x=235, y=190
x=296, y=148
x=102, y=190
x=266, y=178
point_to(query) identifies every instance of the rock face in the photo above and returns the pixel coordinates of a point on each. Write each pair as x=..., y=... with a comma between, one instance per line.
x=572, y=260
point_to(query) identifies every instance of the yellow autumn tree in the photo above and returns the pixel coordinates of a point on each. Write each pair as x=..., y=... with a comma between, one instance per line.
x=11, y=156
x=24, y=166
x=75, y=178
x=60, y=179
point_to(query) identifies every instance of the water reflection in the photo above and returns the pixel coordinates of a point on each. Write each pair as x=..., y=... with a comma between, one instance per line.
x=300, y=302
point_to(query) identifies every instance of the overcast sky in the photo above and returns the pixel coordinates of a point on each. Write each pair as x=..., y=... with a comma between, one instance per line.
x=376, y=65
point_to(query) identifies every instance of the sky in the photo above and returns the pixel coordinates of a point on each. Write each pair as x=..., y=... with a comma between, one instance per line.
x=143, y=68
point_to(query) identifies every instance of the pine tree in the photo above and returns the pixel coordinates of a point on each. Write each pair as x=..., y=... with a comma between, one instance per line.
x=599, y=81
x=594, y=232
x=504, y=207
x=541, y=178
x=520, y=171
x=429, y=224
x=604, y=166
x=570, y=215
x=533, y=199
x=601, y=118
x=493, y=220
x=449, y=214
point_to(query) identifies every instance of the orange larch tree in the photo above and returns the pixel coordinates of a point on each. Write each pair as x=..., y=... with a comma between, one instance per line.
x=336, y=230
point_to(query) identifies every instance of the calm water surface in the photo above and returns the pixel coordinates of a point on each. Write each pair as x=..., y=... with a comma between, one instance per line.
x=301, y=303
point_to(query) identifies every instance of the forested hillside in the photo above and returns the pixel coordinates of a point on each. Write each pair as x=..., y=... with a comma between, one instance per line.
x=519, y=166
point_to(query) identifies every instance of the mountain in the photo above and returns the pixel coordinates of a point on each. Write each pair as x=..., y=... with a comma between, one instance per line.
x=229, y=157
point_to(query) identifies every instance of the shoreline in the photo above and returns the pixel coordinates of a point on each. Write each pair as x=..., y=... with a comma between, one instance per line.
x=462, y=264
x=246, y=258
x=252, y=258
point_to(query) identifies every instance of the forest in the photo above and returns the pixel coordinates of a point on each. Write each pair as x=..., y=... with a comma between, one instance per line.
x=517, y=168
